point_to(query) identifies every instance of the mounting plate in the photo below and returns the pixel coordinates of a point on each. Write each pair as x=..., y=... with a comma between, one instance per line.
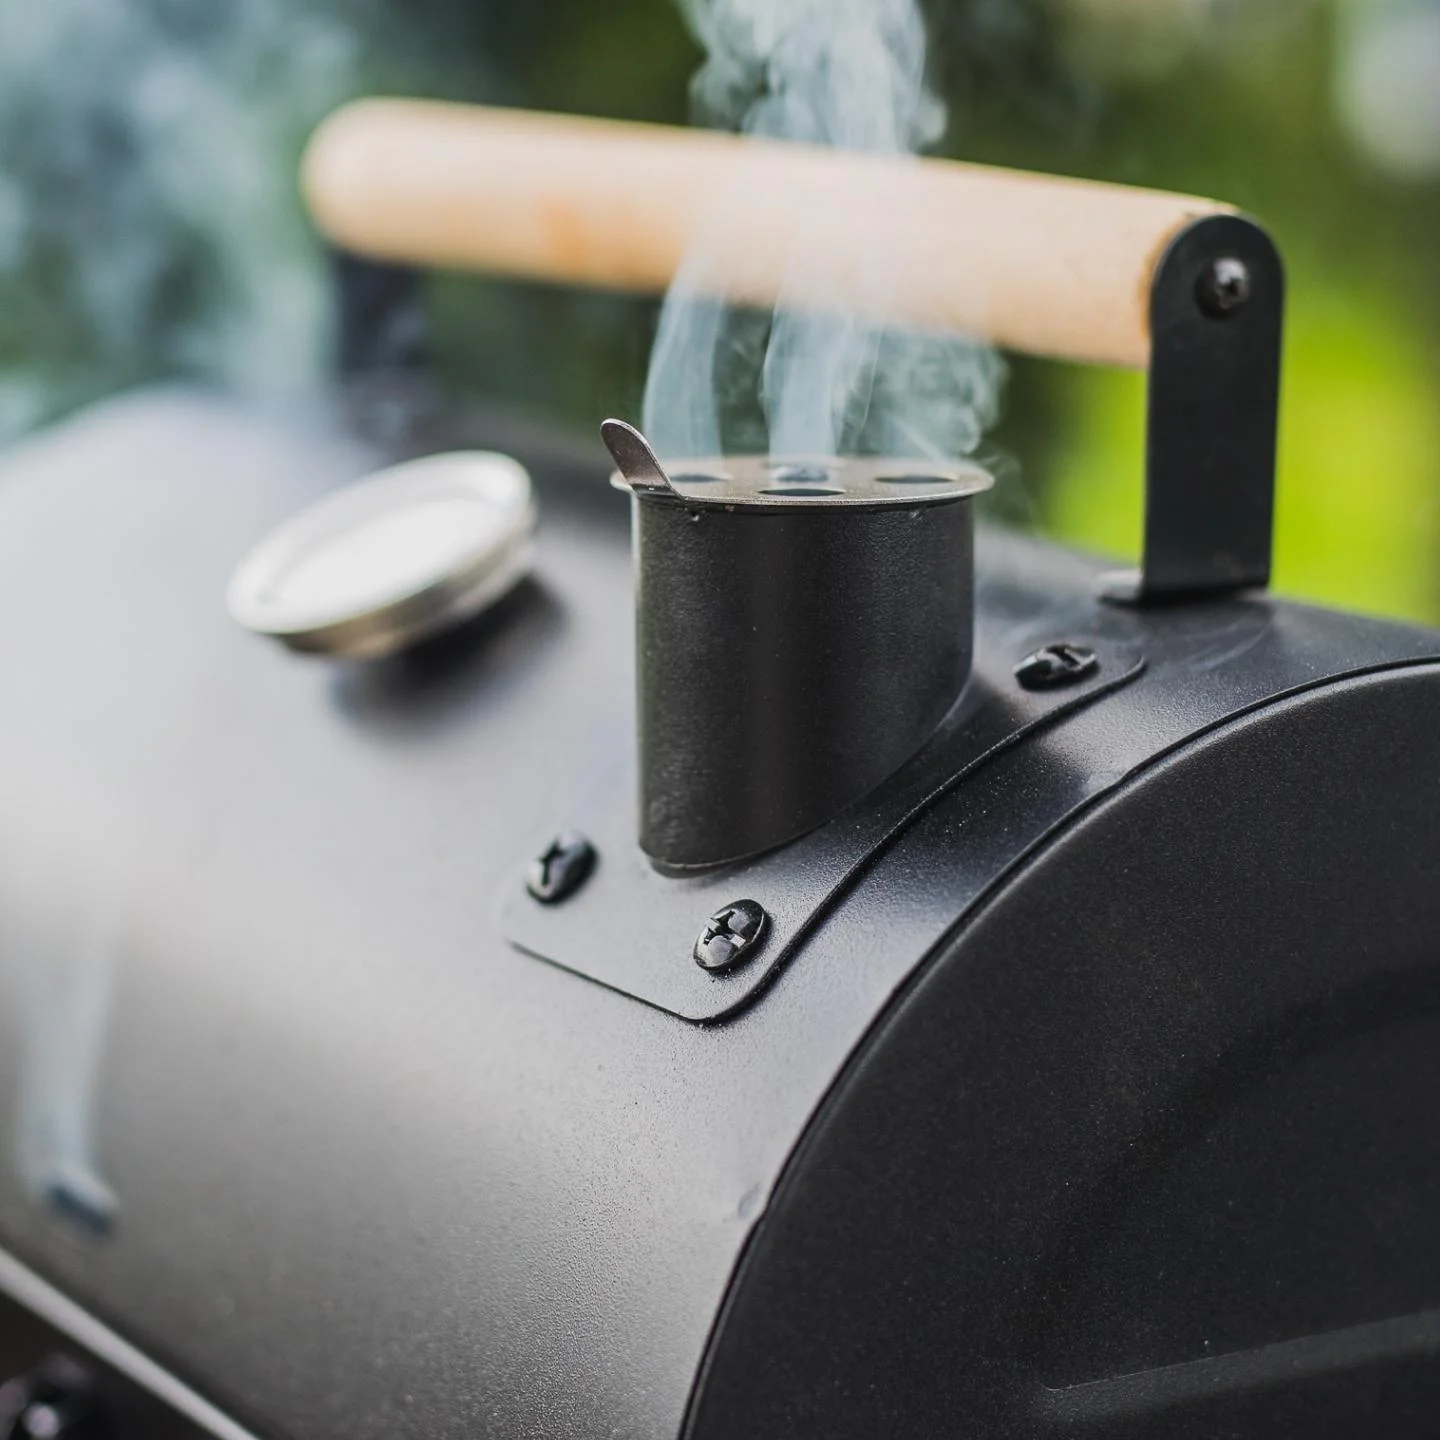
x=634, y=930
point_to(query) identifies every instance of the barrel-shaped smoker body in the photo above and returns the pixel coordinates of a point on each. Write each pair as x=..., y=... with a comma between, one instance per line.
x=1095, y=1101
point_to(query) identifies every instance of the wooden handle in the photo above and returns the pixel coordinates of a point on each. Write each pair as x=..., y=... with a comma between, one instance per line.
x=1032, y=262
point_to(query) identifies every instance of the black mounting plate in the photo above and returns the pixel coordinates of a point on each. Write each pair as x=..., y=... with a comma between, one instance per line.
x=633, y=929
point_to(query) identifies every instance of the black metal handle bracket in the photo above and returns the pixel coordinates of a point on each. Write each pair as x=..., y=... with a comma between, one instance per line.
x=380, y=317
x=1216, y=308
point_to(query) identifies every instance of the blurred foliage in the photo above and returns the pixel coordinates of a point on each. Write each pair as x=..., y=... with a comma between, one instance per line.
x=166, y=132
x=1248, y=116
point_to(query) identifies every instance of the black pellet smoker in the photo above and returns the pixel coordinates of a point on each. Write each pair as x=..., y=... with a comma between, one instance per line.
x=796, y=977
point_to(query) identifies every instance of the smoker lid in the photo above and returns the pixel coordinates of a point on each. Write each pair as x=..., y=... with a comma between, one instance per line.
x=400, y=555
x=769, y=481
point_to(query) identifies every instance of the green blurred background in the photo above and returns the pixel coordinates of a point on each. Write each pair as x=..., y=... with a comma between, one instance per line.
x=150, y=229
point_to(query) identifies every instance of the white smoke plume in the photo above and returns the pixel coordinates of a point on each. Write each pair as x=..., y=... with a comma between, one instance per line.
x=848, y=74
x=148, y=221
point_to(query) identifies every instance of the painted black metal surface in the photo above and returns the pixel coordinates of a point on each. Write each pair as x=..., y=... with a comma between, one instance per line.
x=633, y=928
x=380, y=317
x=789, y=660
x=1216, y=311
x=375, y=1170
x=1149, y=1148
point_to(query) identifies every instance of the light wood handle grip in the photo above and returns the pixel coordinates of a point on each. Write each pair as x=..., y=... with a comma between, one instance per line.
x=1032, y=262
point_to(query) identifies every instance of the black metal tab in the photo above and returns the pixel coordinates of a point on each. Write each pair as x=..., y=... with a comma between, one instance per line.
x=1216, y=306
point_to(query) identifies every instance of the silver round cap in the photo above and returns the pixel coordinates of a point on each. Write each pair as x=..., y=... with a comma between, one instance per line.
x=391, y=559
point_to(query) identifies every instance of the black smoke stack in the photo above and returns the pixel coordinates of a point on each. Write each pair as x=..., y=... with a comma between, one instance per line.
x=802, y=627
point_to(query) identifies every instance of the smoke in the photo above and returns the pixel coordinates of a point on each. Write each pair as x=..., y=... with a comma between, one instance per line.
x=848, y=74
x=148, y=220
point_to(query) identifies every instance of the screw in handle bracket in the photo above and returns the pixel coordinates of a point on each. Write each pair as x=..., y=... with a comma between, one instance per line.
x=1223, y=286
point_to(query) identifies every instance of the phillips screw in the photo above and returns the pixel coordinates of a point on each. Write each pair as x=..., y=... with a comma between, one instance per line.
x=1054, y=665
x=560, y=870
x=732, y=934
x=1223, y=287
